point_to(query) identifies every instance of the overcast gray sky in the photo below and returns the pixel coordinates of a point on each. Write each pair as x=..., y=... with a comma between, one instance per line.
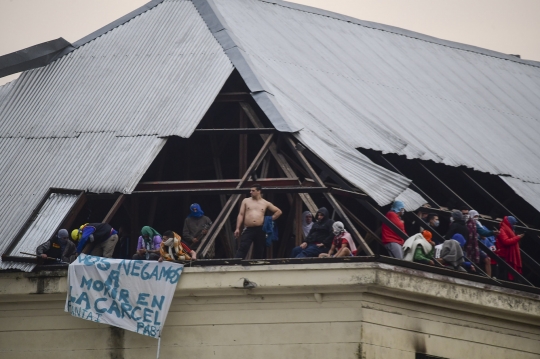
x=509, y=26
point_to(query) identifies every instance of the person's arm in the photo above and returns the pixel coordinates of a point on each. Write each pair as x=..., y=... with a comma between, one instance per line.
x=483, y=232
x=157, y=244
x=419, y=254
x=186, y=235
x=276, y=211
x=509, y=240
x=240, y=219
x=40, y=251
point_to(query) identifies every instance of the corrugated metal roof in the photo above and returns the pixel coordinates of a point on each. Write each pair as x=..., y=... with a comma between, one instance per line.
x=391, y=90
x=93, y=118
x=154, y=75
x=97, y=162
x=47, y=220
x=527, y=190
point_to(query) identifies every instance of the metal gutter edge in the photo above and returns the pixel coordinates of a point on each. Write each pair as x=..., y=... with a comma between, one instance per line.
x=403, y=32
x=240, y=60
x=32, y=57
x=118, y=22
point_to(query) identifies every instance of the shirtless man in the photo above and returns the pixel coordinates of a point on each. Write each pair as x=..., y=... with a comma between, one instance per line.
x=251, y=218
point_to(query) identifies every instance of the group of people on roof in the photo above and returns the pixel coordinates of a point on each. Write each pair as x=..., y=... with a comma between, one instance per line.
x=459, y=247
x=322, y=237
x=100, y=239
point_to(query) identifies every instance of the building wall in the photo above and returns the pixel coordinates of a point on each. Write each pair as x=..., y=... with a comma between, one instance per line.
x=345, y=310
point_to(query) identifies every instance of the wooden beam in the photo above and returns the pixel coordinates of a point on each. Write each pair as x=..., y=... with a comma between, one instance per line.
x=281, y=161
x=243, y=145
x=213, y=191
x=287, y=232
x=116, y=206
x=335, y=204
x=227, y=209
x=233, y=97
x=233, y=131
x=219, y=183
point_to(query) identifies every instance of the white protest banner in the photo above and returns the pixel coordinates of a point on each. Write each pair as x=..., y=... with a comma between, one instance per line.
x=130, y=294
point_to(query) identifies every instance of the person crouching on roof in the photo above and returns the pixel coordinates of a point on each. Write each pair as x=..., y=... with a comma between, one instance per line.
x=342, y=244
x=148, y=244
x=419, y=248
x=58, y=247
x=173, y=249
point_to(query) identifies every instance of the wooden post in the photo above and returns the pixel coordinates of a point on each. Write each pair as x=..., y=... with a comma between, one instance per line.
x=282, y=162
x=298, y=220
x=116, y=206
x=288, y=230
x=243, y=145
x=227, y=209
x=134, y=225
x=354, y=232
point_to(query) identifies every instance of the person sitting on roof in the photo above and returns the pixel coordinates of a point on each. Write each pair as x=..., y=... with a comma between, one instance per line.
x=457, y=226
x=342, y=245
x=196, y=226
x=307, y=222
x=391, y=240
x=469, y=267
x=148, y=245
x=419, y=248
x=58, y=247
x=508, y=244
x=450, y=253
x=173, y=248
x=319, y=239
x=98, y=239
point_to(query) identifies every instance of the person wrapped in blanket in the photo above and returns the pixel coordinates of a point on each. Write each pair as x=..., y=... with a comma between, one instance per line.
x=419, y=248
x=173, y=249
x=342, y=244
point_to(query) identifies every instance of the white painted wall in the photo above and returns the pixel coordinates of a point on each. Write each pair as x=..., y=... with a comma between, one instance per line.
x=365, y=310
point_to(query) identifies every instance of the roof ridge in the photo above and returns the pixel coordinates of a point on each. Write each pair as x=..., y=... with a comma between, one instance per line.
x=110, y=26
x=403, y=32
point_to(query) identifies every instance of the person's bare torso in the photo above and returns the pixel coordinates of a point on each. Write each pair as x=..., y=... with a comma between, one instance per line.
x=254, y=212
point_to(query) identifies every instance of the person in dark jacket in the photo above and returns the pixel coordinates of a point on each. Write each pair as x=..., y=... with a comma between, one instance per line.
x=196, y=226
x=98, y=239
x=457, y=226
x=319, y=239
x=59, y=247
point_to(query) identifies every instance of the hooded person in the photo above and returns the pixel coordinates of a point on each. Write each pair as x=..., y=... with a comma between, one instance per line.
x=172, y=248
x=457, y=226
x=508, y=244
x=148, y=245
x=451, y=252
x=419, y=248
x=59, y=247
x=319, y=238
x=307, y=222
x=196, y=226
x=484, y=234
x=472, y=251
x=391, y=240
x=342, y=244
x=98, y=239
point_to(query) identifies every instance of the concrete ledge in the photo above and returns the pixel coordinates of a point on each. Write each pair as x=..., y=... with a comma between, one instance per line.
x=319, y=279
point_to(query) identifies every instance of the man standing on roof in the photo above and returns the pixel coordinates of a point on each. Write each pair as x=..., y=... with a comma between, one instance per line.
x=319, y=239
x=251, y=219
x=391, y=240
x=98, y=239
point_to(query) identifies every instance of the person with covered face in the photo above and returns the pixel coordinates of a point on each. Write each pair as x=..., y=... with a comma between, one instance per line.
x=391, y=240
x=457, y=226
x=172, y=248
x=420, y=248
x=342, y=244
x=319, y=238
x=148, y=245
x=508, y=244
x=58, y=247
x=196, y=226
x=307, y=222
